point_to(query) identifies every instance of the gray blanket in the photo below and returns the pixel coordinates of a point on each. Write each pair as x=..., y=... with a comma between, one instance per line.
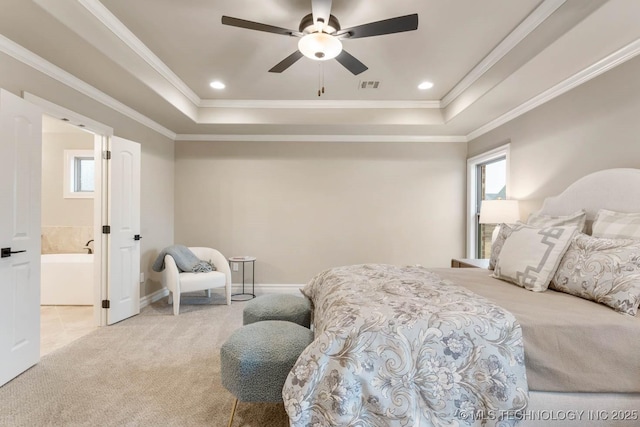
x=185, y=260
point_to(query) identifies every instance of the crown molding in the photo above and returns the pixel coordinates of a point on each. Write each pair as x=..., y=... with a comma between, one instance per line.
x=618, y=57
x=315, y=104
x=530, y=23
x=319, y=138
x=36, y=62
x=40, y=64
x=109, y=20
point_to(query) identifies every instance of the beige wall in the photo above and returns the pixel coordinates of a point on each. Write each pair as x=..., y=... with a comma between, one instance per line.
x=303, y=207
x=157, y=208
x=156, y=203
x=595, y=126
x=56, y=210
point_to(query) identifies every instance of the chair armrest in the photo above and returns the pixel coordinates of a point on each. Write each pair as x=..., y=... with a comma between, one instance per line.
x=221, y=263
x=170, y=275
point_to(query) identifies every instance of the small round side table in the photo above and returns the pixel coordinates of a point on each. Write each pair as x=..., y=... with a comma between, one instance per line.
x=245, y=296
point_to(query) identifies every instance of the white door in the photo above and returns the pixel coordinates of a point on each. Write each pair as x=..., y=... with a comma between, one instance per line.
x=20, y=171
x=123, y=277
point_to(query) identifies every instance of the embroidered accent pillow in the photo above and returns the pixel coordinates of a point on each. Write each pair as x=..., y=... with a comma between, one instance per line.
x=496, y=246
x=616, y=225
x=530, y=256
x=578, y=219
x=602, y=270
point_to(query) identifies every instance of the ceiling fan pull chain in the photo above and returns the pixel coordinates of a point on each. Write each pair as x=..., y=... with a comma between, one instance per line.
x=320, y=78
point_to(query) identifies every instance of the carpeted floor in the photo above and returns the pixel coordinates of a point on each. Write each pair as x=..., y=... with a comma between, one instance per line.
x=154, y=369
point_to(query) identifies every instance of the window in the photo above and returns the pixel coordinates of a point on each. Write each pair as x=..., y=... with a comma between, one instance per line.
x=79, y=174
x=488, y=178
x=491, y=184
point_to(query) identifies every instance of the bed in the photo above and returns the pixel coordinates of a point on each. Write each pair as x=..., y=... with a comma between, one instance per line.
x=409, y=346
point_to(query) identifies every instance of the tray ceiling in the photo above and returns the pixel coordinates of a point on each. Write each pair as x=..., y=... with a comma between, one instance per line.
x=488, y=60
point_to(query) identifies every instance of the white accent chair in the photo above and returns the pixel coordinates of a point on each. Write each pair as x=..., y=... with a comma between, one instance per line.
x=180, y=282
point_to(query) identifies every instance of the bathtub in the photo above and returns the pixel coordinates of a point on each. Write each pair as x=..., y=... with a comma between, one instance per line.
x=66, y=279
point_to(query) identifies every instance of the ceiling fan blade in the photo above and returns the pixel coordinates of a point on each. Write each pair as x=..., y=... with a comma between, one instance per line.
x=286, y=62
x=250, y=25
x=321, y=9
x=378, y=28
x=349, y=62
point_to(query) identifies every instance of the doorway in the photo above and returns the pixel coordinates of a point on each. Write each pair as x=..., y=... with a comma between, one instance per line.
x=116, y=210
x=67, y=293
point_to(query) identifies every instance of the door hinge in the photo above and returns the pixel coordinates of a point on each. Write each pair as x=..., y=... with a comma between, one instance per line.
x=106, y=229
x=106, y=155
x=106, y=303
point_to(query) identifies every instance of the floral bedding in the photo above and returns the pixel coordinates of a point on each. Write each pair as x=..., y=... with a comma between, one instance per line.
x=398, y=346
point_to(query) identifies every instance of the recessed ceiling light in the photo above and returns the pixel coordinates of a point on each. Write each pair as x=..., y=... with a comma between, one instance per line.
x=425, y=85
x=217, y=84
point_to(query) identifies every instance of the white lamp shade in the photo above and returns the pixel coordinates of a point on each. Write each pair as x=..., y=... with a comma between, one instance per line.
x=499, y=211
x=320, y=46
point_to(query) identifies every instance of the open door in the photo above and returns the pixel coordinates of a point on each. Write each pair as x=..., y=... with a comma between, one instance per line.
x=20, y=163
x=123, y=240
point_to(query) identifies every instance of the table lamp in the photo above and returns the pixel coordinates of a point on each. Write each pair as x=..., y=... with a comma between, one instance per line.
x=499, y=212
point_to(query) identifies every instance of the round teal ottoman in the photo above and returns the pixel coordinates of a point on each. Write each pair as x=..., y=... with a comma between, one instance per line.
x=257, y=358
x=278, y=307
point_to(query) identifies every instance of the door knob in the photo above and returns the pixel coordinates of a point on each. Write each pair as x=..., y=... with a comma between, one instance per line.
x=6, y=252
x=137, y=237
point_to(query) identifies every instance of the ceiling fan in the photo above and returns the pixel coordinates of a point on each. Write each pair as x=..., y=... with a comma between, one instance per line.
x=320, y=35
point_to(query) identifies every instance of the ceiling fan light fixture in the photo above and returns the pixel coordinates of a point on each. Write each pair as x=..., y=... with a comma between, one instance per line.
x=320, y=46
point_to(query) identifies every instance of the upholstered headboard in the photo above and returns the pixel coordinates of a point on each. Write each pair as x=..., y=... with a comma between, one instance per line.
x=613, y=189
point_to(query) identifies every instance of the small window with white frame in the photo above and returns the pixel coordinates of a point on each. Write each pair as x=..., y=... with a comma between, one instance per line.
x=488, y=177
x=79, y=174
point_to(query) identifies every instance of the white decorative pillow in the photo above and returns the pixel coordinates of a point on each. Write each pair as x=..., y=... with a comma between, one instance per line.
x=602, y=270
x=530, y=255
x=496, y=246
x=616, y=225
x=578, y=219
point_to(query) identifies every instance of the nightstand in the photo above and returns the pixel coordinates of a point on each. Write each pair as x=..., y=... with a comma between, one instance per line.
x=469, y=263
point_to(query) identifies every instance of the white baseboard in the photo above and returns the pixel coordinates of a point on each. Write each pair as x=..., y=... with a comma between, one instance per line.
x=151, y=298
x=261, y=289
x=268, y=288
